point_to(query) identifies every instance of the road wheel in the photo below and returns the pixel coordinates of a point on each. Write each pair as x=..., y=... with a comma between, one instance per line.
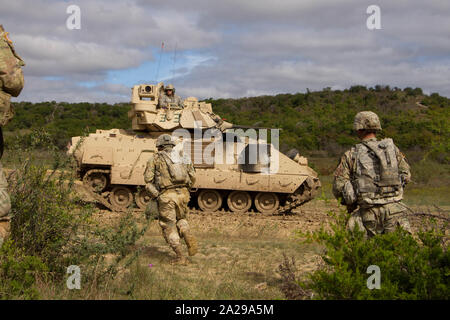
x=96, y=181
x=121, y=197
x=267, y=202
x=209, y=200
x=239, y=201
x=142, y=198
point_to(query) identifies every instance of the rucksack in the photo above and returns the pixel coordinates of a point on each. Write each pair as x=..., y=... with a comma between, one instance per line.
x=177, y=169
x=376, y=179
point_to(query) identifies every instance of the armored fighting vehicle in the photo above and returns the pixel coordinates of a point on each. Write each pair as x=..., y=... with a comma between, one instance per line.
x=111, y=163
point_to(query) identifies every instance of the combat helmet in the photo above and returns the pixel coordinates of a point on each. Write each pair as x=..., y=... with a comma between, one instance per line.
x=169, y=87
x=366, y=120
x=164, y=140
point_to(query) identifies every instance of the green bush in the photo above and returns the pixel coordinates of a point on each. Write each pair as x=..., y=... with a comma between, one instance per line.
x=411, y=268
x=45, y=217
x=49, y=222
x=18, y=273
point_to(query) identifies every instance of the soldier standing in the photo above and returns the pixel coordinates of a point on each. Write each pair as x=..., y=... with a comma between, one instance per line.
x=170, y=98
x=11, y=84
x=168, y=177
x=372, y=175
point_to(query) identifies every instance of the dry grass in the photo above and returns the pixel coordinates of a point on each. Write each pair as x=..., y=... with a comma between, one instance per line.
x=234, y=268
x=239, y=258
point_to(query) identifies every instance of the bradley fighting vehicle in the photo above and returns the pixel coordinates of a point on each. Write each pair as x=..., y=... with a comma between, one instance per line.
x=111, y=163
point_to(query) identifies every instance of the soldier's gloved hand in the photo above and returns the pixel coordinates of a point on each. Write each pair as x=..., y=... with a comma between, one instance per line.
x=154, y=193
x=348, y=194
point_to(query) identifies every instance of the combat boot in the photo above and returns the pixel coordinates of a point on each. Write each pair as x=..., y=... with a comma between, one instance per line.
x=191, y=243
x=180, y=259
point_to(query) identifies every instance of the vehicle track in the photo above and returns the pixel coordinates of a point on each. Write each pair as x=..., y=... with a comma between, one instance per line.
x=294, y=201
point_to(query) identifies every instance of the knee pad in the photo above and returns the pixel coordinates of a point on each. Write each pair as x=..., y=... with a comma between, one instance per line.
x=173, y=238
x=182, y=226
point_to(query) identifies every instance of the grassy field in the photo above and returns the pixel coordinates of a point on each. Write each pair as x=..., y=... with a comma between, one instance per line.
x=239, y=268
x=239, y=255
x=238, y=259
x=415, y=195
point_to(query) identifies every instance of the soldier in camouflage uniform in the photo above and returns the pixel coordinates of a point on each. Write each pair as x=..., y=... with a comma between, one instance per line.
x=168, y=177
x=371, y=176
x=11, y=83
x=170, y=98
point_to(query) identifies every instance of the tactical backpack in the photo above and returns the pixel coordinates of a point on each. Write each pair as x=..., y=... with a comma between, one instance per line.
x=376, y=179
x=177, y=169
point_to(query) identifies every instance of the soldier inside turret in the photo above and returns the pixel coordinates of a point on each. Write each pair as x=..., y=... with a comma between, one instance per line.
x=170, y=99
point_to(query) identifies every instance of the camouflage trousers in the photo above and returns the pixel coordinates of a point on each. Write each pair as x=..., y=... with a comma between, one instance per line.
x=172, y=206
x=381, y=219
x=5, y=206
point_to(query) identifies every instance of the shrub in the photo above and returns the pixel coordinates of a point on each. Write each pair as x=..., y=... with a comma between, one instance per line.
x=17, y=273
x=411, y=267
x=49, y=222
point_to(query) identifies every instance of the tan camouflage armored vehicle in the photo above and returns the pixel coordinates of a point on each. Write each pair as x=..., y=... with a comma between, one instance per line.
x=111, y=163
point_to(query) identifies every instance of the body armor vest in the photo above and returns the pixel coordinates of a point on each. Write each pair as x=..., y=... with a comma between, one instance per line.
x=376, y=179
x=177, y=176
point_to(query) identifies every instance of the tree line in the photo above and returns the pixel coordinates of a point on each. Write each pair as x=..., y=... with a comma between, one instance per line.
x=315, y=122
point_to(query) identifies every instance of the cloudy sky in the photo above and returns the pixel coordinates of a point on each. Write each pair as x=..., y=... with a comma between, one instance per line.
x=226, y=48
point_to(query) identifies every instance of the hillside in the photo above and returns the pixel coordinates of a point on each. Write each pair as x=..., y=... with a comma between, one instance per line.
x=323, y=120
x=316, y=123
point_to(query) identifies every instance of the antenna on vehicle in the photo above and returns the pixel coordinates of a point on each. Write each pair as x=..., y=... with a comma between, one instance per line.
x=159, y=62
x=174, y=59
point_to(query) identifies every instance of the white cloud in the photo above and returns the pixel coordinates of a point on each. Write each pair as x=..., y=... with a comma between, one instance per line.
x=53, y=57
x=39, y=89
x=231, y=48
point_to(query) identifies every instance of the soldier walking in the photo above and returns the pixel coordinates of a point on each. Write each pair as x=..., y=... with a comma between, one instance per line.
x=11, y=84
x=168, y=177
x=371, y=176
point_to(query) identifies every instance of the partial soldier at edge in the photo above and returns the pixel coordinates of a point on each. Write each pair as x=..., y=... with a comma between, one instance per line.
x=372, y=176
x=11, y=84
x=168, y=177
